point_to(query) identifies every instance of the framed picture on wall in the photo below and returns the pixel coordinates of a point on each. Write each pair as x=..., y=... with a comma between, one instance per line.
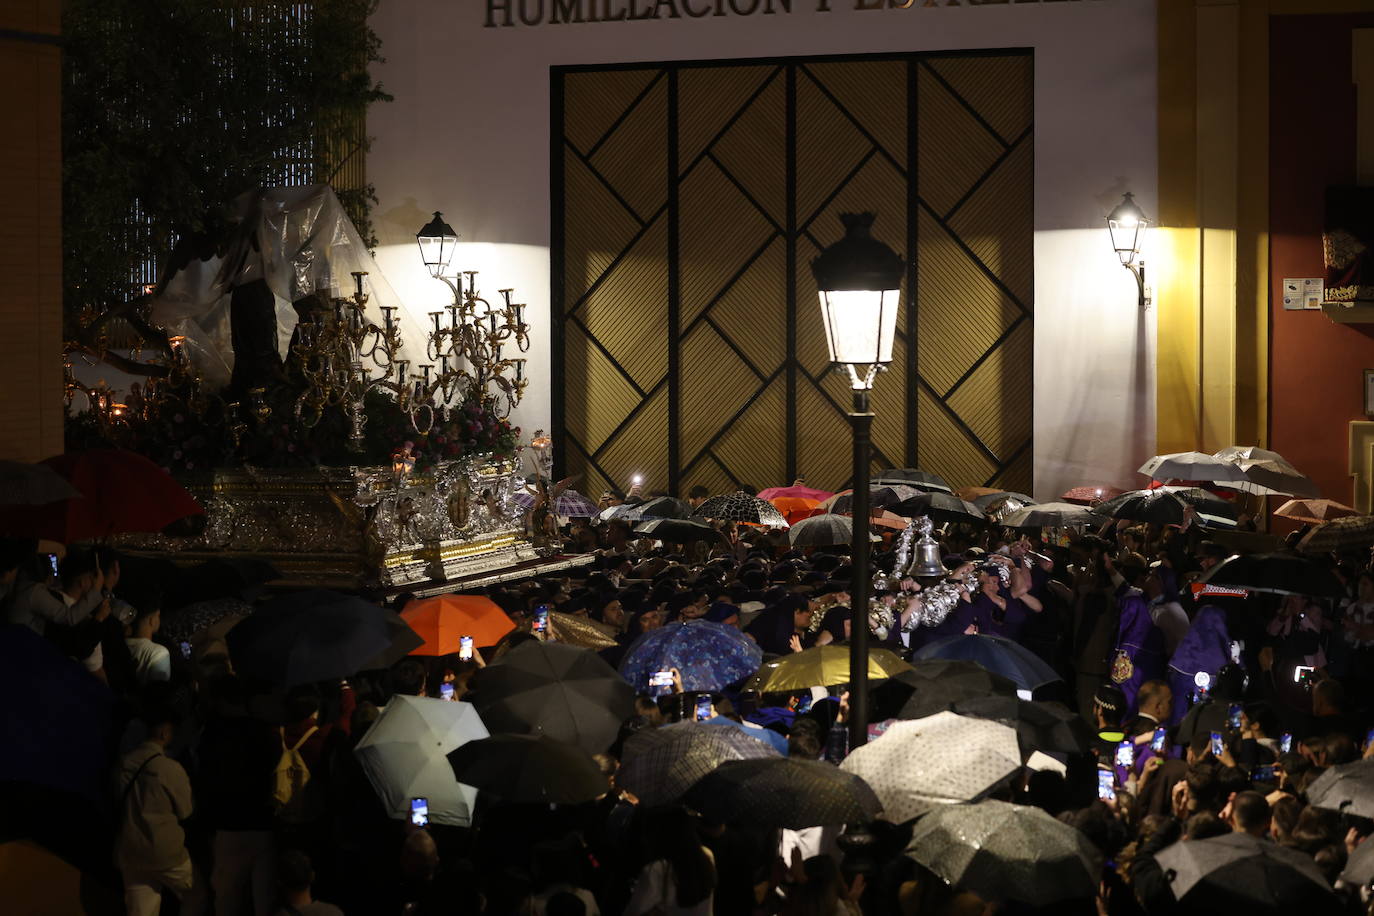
x=1369, y=392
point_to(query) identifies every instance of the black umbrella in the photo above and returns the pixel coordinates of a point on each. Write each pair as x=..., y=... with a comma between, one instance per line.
x=914, y=477
x=529, y=768
x=943, y=506
x=988, y=499
x=308, y=636
x=24, y=484
x=546, y=688
x=1170, y=506
x=1040, y=726
x=880, y=496
x=404, y=641
x=676, y=530
x=658, y=507
x=1001, y=851
x=1348, y=788
x=1053, y=515
x=1280, y=573
x=783, y=792
x=995, y=653
x=938, y=683
x=224, y=577
x=659, y=765
x=1240, y=873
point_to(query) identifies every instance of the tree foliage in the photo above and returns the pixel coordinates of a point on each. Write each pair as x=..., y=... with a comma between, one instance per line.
x=173, y=108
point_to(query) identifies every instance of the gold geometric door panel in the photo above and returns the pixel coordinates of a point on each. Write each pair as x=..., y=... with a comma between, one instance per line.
x=688, y=202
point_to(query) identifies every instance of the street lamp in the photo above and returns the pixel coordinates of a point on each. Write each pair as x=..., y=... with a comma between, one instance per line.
x=437, y=242
x=1127, y=224
x=859, y=279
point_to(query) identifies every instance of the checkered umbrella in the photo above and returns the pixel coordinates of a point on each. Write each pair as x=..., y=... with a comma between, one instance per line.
x=1355, y=532
x=572, y=504
x=659, y=765
x=824, y=531
x=742, y=507
x=918, y=765
x=783, y=792
x=1007, y=852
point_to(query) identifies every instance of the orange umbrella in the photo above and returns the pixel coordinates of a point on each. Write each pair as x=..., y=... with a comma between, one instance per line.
x=795, y=508
x=887, y=519
x=443, y=619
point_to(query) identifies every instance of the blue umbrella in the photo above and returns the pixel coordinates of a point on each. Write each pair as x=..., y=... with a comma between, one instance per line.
x=58, y=720
x=707, y=655
x=1000, y=656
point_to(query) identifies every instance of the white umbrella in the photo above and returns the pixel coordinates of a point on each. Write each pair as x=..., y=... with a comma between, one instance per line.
x=404, y=756
x=942, y=759
x=1267, y=473
x=1192, y=466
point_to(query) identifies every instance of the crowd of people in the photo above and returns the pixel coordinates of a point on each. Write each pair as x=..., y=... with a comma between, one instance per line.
x=1213, y=712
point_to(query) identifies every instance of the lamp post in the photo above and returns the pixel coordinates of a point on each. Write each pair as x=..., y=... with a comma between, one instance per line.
x=859, y=279
x=1127, y=224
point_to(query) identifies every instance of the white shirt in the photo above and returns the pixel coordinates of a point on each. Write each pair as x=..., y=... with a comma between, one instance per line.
x=152, y=662
x=655, y=887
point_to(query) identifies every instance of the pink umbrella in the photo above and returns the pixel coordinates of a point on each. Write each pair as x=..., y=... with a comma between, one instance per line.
x=796, y=491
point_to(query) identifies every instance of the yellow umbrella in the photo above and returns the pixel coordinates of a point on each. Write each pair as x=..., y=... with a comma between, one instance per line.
x=580, y=631
x=824, y=666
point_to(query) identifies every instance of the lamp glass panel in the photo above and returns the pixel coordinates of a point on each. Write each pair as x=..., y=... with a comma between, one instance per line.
x=437, y=252
x=860, y=324
x=1126, y=235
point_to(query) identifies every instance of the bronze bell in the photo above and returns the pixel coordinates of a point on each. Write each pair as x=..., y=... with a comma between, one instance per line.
x=926, y=564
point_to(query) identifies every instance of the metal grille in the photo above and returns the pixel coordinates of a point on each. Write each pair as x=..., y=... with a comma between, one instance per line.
x=689, y=200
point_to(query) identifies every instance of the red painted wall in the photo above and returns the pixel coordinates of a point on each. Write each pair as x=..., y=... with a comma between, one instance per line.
x=1316, y=367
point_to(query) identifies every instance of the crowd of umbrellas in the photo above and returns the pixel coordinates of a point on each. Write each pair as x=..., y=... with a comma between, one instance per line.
x=1186, y=488
x=960, y=723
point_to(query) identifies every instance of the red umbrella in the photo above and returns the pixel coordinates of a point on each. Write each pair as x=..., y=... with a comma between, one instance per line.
x=121, y=492
x=1090, y=495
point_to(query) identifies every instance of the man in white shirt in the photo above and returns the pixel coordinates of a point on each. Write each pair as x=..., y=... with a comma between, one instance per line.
x=154, y=797
x=152, y=662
